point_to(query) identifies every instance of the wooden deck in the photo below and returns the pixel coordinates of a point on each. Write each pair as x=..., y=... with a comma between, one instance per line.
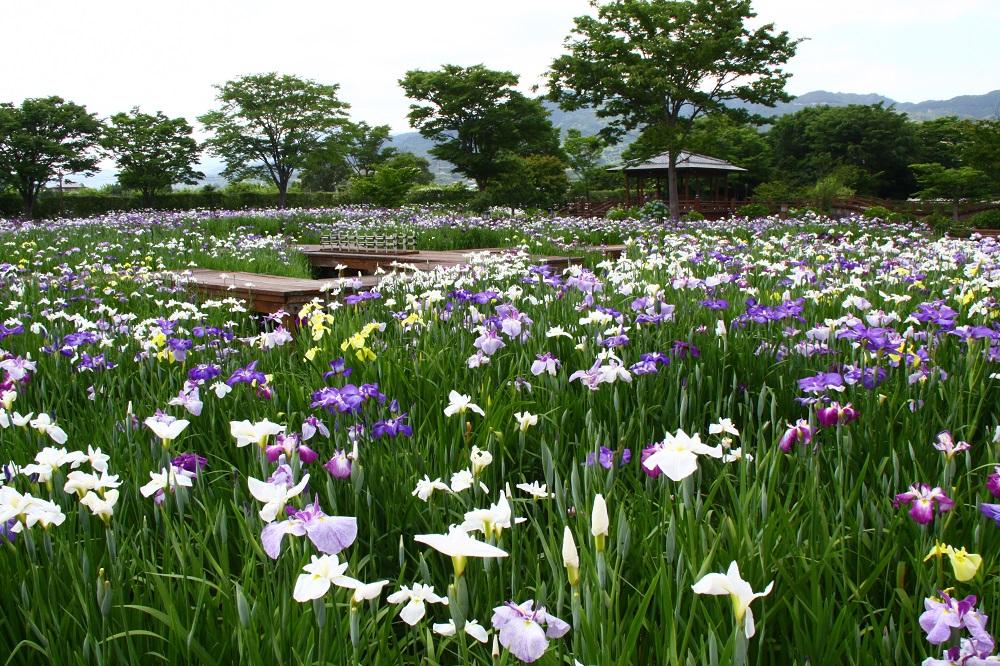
x=268, y=294
x=425, y=260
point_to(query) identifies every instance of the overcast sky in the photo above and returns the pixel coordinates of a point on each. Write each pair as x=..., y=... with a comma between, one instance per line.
x=114, y=54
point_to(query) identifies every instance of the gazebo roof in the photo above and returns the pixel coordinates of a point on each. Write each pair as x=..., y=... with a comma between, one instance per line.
x=685, y=161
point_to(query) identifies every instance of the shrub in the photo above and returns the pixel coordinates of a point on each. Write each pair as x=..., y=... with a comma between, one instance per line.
x=939, y=223
x=622, y=213
x=880, y=212
x=655, y=209
x=898, y=218
x=693, y=216
x=753, y=211
x=50, y=204
x=456, y=194
x=988, y=219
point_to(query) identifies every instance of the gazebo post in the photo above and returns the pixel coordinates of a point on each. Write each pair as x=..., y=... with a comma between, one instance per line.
x=628, y=201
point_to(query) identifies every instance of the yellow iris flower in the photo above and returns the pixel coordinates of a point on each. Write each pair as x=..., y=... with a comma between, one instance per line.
x=963, y=563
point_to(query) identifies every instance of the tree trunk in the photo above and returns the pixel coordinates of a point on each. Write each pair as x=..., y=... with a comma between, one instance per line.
x=283, y=194
x=956, y=203
x=147, y=198
x=28, y=200
x=675, y=204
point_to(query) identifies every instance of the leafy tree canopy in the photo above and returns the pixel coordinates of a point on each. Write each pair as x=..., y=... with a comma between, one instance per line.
x=43, y=138
x=535, y=181
x=269, y=124
x=869, y=146
x=153, y=152
x=474, y=115
x=953, y=184
x=664, y=63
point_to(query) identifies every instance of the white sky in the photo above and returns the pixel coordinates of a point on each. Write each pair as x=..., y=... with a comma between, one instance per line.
x=115, y=54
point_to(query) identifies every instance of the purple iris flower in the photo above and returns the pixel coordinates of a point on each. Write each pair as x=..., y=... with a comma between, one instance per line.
x=288, y=445
x=836, y=414
x=343, y=400
x=330, y=534
x=311, y=426
x=247, y=375
x=520, y=629
x=180, y=347
x=489, y=342
x=204, y=372
x=6, y=535
x=821, y=383
x=940, y=617
x=644, y=368
x=800, y=433
x=714, y=303
x=392, y=428
x=682, y=349
x=993, y=482
x=615, y=341
x=923, y=500
x=991, y=511
x=338, y=366
x=339, y=466
x=190, y=463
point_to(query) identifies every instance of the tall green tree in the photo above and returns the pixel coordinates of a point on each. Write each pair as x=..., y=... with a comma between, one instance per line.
x=269, y=124
x=868, y=147
x=43, y=138
x=357, y=150
x=535, y=181
x=953, y=184
x=942, y=140
x=664, y=63
x=366, y=147
x=583, y=154
x=153, y=152
x=982, y=151
x=474, y=116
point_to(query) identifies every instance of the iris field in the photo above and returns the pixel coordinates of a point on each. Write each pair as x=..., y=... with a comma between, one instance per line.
x=742, y=442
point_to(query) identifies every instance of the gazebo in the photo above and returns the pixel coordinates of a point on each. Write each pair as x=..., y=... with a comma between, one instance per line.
x=702, y=182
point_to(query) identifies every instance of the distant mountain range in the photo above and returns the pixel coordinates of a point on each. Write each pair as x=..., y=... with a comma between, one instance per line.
x=585, y=120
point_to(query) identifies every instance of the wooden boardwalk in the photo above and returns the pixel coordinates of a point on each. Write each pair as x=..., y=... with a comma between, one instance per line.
x=268, y=294
x=425, y=260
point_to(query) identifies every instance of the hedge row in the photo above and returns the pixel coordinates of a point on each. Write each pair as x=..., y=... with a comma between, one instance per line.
x=84, y=205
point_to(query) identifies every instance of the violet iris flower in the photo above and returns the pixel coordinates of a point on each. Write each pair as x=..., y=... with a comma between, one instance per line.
x=339, y=466
x=189, y=463
x=836, y=414
x=800, y=433
x=203, y=372
x=392, y=428
x=330, y=534
x=520, y=629
x=311, y=426
x=922, y=500
x=991, y=511
x=247, y=375
x=821, y=383
x=338, y=366
x=993, y=482
x=944, y=613
x=288, y=444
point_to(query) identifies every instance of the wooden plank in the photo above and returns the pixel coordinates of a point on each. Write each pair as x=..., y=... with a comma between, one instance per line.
x=266, y=294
